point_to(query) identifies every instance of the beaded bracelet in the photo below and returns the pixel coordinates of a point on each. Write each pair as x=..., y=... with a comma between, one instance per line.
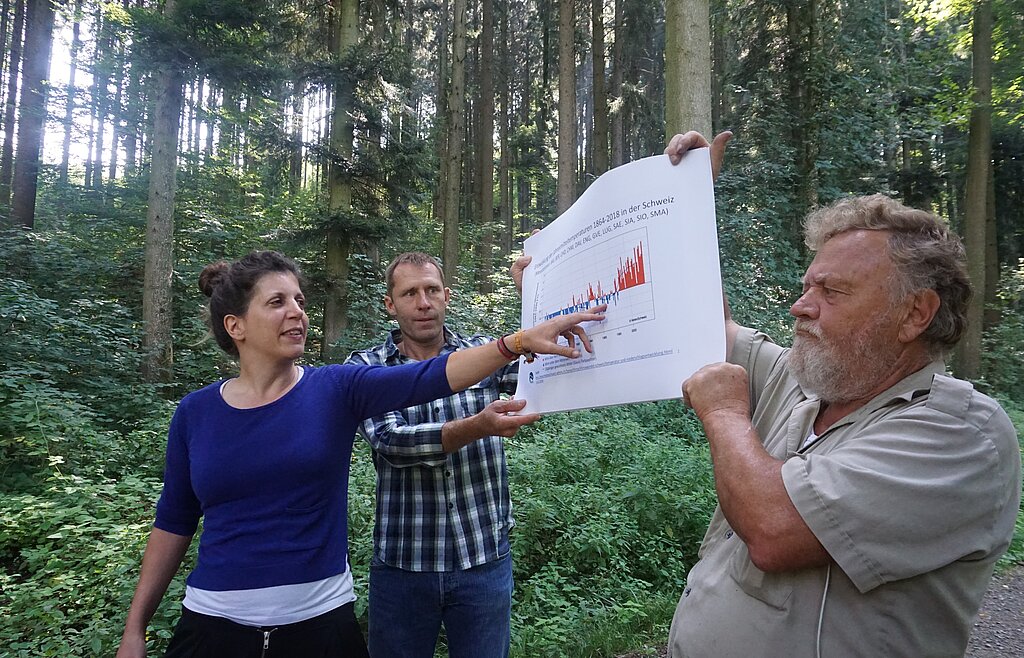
x=517, y=344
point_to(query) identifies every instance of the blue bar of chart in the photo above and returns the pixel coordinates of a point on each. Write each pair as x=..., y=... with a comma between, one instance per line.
x=615, y=272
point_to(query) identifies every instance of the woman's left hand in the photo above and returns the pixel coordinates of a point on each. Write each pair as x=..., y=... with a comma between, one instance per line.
x=543, y=338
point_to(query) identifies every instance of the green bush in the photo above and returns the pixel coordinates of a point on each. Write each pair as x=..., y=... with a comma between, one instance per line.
x=71, y=555
x=1003, y=353
x=609, y=516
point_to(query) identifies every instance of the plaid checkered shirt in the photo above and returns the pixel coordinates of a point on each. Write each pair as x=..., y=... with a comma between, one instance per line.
x=437, y=511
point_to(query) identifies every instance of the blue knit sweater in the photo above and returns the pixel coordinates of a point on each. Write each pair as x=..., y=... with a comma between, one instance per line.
x=272, y=482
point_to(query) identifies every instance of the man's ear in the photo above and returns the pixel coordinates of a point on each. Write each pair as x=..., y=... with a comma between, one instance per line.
x=235, y=326
x=447, y=296
x=389, y=306
x=923, y=305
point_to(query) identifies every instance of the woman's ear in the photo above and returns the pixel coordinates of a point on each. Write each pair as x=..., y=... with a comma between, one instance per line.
x=235, y=326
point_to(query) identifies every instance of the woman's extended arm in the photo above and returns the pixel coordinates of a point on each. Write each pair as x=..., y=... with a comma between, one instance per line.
x=467, y=367
x=163, y=556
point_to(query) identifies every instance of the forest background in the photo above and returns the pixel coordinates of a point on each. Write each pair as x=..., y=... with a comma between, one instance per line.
x=142, y=140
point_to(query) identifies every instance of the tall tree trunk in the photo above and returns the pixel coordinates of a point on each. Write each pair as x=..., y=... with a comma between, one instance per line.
x=687, y=66
x=453, y=152
x=979, y=156
x=32, y=111
x=485, y=169
x=101, y=98
x=543, y=104
x=468, y=194
x=323, y=133
x=200, y=115
x=157, y=309
x=718, y=27
x=504, y=127
x=132, y=111
x=227, y=139
x=523, y=196
x=69, y=111
x=7, y=155
x=295, y=147
x=992, y=311
x=584, y=120
x=211, y=104
x=406, y=117
x=566, y=189
x=600, y=136
x=250, y=160
x=802, y=74
x=618, y=132
x=345, y=33
x=188, y=120
x=116, y=112
x=5, y=11
x=441, y=101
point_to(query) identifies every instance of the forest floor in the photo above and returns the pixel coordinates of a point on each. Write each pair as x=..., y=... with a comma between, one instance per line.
x=998, y=631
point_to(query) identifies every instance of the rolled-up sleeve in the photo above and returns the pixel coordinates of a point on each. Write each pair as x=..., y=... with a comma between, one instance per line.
x=402, y=444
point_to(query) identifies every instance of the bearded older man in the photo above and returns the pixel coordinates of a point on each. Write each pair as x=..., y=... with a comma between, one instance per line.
x=864, y=495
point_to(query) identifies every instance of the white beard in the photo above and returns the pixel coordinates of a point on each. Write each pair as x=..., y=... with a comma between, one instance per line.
x=843, y=371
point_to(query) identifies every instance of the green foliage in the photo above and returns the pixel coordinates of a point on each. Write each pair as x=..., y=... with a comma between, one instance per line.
x=761, y=276
x=368, y=322
x=66, y=360
x=1003, y=353
x=610, y=506
x=81, y=442
x=239, y=44
x=70, y=554
x=493, y=313
x=362, y=492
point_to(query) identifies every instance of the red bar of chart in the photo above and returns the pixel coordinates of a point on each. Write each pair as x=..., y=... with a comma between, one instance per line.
x=615, y=272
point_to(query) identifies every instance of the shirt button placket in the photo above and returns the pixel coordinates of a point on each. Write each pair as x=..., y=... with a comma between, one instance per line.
x=449, y=487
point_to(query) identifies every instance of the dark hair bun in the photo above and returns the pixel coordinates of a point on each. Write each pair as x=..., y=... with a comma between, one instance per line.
x=212, y=275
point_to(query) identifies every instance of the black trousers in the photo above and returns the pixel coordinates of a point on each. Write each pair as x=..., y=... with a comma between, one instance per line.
x=334, y=634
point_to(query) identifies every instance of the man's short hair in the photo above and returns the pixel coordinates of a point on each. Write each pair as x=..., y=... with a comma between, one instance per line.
x=417, y=258
x=927, y=255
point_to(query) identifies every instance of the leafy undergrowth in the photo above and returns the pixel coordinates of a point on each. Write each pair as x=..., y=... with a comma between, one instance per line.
x=611, y=506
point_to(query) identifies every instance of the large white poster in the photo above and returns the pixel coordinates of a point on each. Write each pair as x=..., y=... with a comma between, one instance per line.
x=643, y=240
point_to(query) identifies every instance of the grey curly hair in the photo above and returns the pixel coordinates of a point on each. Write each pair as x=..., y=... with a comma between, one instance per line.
x=927, y=255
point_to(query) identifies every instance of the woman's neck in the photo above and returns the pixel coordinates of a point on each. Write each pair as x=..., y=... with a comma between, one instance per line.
x=260, y=384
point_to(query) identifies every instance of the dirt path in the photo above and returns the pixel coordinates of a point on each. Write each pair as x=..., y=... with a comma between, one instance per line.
x=998, y=632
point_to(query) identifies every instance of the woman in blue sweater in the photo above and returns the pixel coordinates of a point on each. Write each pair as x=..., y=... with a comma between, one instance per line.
x=264, y=459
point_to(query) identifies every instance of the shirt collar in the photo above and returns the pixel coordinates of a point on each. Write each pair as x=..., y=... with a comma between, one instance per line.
x=906, y=389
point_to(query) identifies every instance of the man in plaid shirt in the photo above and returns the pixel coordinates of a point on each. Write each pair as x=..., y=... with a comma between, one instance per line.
x=440, y=541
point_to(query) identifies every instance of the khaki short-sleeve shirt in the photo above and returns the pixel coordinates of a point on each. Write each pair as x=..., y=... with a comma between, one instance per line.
x=914, y=496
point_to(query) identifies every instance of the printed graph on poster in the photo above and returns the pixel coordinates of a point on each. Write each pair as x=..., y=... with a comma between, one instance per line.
x=642, y=239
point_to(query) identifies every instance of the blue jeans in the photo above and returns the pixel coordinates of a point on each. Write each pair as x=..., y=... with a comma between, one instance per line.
x=407, y=609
